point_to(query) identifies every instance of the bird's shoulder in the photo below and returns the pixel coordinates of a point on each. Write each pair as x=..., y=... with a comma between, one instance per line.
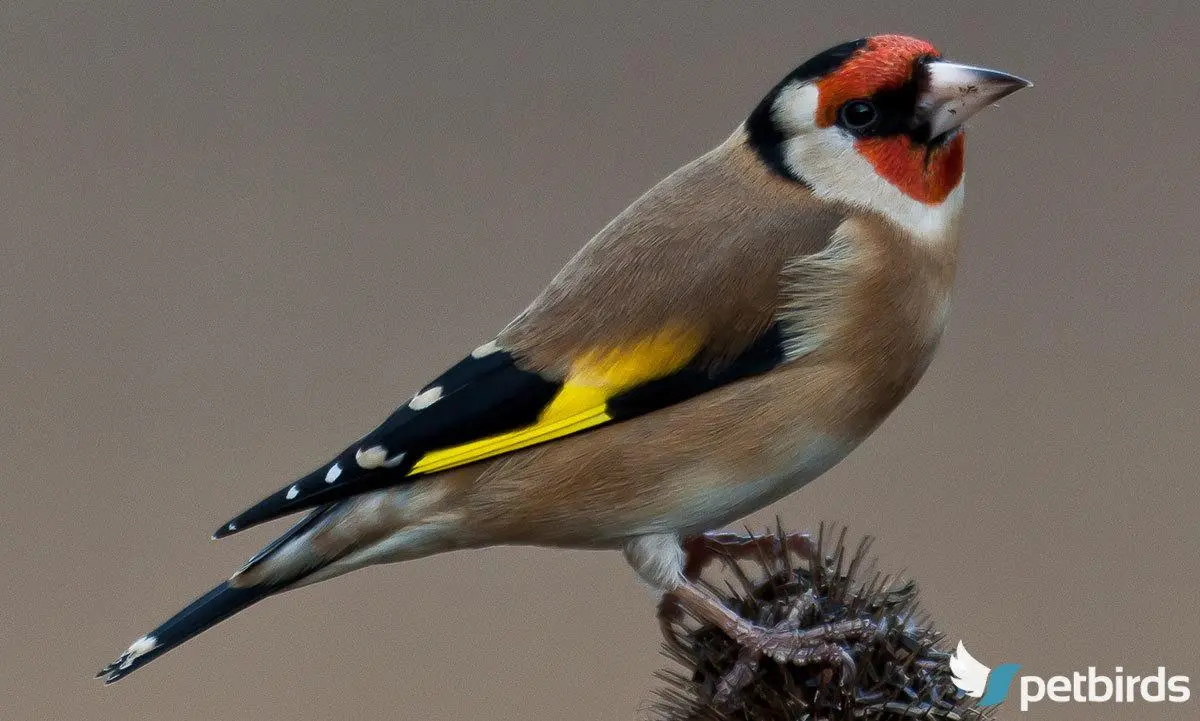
x=704, y=253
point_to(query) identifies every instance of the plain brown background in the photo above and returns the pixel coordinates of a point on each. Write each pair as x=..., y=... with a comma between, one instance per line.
x=233, y=238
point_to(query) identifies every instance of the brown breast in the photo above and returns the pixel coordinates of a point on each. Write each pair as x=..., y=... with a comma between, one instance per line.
x=870, y=309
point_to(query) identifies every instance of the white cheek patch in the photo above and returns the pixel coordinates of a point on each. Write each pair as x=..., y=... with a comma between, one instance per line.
x=827, y=160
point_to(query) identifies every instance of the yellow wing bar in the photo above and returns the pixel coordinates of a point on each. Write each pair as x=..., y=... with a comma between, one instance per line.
x=594, y=378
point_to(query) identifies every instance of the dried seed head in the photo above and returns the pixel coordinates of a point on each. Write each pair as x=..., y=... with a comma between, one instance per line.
x=901, y=673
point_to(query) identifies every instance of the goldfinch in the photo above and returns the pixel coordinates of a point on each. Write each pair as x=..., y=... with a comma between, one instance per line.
x=727, y=338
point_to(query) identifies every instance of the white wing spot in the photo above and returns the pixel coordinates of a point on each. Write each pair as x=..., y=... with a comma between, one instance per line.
x=140, y=647
x=394, y=460
x=425, y=398
x=334, y=471
x=372, y=457
x=485, y=350
x=292, y=493
x=232, y=526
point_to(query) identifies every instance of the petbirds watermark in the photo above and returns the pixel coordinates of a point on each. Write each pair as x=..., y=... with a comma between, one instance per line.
x=991, y=686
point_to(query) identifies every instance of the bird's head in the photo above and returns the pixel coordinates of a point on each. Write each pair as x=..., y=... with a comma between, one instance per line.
x=877, y=123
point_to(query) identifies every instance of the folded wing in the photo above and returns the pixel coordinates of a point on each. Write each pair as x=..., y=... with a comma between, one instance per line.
x=487, y=405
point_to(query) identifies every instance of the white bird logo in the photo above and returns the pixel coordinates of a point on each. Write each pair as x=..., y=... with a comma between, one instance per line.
x=968, y=674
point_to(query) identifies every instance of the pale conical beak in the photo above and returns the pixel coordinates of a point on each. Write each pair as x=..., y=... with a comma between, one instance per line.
x=956, y=92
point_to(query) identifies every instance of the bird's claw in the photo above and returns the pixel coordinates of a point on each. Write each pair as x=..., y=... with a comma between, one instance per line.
x=821, y=645
x=701, y=551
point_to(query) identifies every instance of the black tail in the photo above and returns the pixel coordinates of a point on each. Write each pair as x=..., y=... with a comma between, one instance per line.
x=213, y=607
x=200, y=615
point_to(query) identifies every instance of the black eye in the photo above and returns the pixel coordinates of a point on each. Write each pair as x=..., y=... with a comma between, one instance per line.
x=858, y=115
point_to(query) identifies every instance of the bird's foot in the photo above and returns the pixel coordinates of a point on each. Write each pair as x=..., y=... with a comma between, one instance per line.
x=701, y=551
x=730, y=547
x=824, y=645
x=784, y=643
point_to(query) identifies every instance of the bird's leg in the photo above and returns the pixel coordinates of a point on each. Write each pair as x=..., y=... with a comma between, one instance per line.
x=784, y=645
x=700, y=551
x=661, y=560
x=748, y=662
